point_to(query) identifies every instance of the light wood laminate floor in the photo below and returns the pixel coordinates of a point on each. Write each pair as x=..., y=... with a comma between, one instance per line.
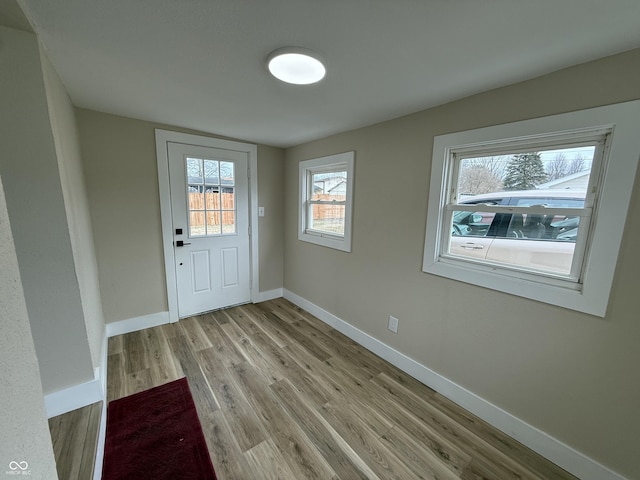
x=75, y=437
x=281, y=395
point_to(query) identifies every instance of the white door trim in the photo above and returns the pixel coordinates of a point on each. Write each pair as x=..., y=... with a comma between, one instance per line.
x=162, y=138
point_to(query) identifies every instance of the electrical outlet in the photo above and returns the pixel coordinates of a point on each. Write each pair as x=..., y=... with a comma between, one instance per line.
x=393, y=324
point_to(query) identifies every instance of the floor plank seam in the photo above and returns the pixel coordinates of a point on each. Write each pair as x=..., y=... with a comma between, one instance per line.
x=283, y=395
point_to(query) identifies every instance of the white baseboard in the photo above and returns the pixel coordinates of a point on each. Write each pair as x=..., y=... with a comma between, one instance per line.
x=82, y=394
x=556, y=451
x=269, y=295
x=97, y=466
x=100, y=372
x=137, y=323
x=102, y=431
x=72, y=398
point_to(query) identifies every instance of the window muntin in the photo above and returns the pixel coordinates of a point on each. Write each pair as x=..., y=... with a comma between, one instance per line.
x=326, y=192
x=211, y=197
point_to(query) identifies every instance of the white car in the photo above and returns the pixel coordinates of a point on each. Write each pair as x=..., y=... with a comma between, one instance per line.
x=541, y=242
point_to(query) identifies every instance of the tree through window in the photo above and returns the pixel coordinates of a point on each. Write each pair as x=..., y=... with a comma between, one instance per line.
x=535, y=208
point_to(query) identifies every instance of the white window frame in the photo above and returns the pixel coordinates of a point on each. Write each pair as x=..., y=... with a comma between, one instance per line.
x=616, y=177
x=598, y=137
x=338, y=162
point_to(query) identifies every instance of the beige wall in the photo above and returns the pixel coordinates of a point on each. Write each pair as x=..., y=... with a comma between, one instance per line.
x=271, y=197
x=35, y=203
x=571, y=375
x=119, y=156
x=25, y=432
x=67, y=146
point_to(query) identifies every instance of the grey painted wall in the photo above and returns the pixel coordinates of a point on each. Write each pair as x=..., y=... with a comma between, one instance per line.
x=119, y=160
x=65, y=135
x=29, y=168
x=569, y=374
x=24, y=429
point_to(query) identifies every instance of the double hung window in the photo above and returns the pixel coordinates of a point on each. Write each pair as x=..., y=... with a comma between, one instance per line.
x=535, y=208
x=525, y=208
x=326, y=192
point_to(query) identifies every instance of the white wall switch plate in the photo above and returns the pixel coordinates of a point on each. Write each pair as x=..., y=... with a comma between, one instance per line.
x=393, y=324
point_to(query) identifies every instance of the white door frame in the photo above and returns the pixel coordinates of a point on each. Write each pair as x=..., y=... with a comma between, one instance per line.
x=162, y=138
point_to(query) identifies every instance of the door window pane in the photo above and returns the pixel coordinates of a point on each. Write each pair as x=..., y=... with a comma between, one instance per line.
x=210, y=206
x=211, y=175
x=228, y=222
x=212, y=196
x=196, y=199
x=194, y=170
x=226, y=173
x=196, y=224
x=213, y=223
x=228, y=198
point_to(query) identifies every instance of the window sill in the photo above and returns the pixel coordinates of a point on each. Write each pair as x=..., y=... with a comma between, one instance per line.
x=567, y=296
x=326, y=240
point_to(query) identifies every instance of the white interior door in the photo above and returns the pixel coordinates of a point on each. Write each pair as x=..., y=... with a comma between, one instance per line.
x=210, y=214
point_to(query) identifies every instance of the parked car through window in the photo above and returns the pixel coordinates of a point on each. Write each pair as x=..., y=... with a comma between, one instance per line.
x=553, y=230
x=542, y=242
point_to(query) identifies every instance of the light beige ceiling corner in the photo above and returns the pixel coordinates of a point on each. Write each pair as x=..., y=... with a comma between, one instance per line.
x=201, y=64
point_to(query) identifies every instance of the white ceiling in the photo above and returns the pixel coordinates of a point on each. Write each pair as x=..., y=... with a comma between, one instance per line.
x=201, y=63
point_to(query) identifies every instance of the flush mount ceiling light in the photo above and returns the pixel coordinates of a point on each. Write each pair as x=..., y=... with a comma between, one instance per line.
x=299, y=66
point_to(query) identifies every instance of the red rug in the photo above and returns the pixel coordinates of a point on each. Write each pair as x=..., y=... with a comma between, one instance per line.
x=156, y=435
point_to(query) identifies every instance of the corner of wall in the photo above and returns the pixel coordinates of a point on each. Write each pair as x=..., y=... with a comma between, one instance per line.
x=74, y=195
x=25, y=436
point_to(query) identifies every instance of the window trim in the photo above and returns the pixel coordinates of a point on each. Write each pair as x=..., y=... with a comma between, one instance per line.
x=609, y=216
x=340, y=161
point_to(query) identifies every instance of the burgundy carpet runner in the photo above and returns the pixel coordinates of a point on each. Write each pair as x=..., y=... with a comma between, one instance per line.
x=156, y=435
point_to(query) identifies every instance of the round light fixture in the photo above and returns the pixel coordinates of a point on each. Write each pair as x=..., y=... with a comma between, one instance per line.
x=295, y=65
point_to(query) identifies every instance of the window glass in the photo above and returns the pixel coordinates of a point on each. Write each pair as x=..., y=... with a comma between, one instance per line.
x=211, y=207
x=552, y=177
x=226, y=173
x=556, y=168
x=211, y=174
x=328, y=202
